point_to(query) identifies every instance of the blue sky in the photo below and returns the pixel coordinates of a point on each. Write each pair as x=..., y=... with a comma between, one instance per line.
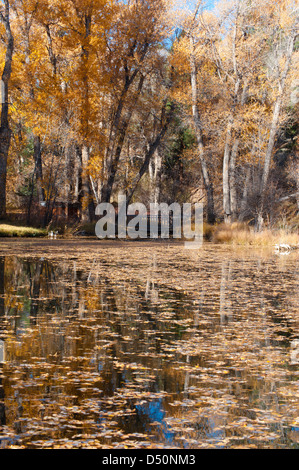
x=192, y=3
x=208, y=3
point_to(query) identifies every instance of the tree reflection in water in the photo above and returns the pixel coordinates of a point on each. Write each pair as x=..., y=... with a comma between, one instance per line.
x=148, y=346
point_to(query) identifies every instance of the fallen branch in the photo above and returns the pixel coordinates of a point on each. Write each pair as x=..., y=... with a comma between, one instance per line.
x=288, y=197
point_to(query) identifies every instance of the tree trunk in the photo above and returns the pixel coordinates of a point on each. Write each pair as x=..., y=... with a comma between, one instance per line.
x=225, y=171
x=155, y=177
x=113, y=166
x=5, y=132
x=154, y=145
x=117, y=137
x=70, y=171
x=2, y=286
x=38, y=174
x=5, y=136
x=245, y=195
x=39, y=169
x=85, y=217
x=232, y=181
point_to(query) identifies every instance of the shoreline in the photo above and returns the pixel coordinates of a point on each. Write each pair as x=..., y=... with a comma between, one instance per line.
x=235, y=234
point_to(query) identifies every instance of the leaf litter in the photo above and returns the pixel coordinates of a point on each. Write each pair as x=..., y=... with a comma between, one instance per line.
x=124, y=346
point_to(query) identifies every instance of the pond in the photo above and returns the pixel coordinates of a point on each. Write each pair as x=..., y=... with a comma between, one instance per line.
x=107, y=344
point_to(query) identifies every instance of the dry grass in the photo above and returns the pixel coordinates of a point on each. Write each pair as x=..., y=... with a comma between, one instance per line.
x=241, y=234
x=8, y=230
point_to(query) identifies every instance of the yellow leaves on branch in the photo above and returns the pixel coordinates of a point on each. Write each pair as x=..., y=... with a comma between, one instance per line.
x=180, y=57
x=95, y=167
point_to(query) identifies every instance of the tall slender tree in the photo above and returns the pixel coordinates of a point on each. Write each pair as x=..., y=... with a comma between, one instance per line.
x=5, y=130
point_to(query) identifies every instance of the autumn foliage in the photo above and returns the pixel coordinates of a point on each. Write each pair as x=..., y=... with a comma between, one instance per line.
x=151, y=100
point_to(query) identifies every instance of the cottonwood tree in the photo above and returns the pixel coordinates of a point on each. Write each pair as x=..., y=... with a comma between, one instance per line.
x=28, y=46
x=257, y=31
x=187, y=50
x=137, y=34
x=234, y=45
x=237, y=54
x=60, y=77
x=81, y=28
x=284, y=22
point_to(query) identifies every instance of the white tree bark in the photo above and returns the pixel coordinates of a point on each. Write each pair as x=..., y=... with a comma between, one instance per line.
x=274, y=128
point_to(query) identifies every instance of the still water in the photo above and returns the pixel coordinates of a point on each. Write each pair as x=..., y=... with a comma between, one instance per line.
x=147, y=345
